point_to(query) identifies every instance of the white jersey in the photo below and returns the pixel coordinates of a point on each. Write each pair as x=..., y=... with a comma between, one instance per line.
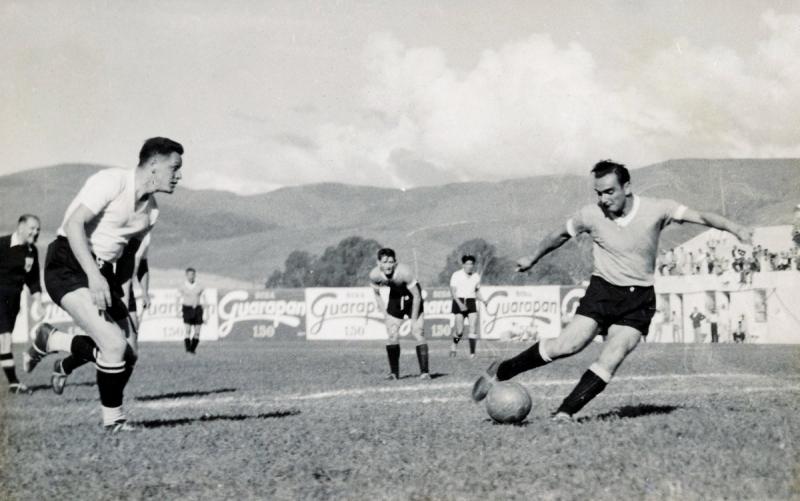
x=191, y=293
x=110, y=195
x=466, y=286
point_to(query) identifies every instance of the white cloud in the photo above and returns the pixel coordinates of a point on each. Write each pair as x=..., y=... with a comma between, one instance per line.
x=533, y=107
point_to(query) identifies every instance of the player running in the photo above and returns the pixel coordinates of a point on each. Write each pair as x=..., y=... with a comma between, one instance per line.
x=465, y=287
x=113, y=207
x=63, y=368
x=620, y=300
x=405, y=300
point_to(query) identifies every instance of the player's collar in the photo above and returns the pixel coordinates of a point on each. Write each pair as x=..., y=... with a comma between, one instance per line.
x=15, y=240
x=626, y=219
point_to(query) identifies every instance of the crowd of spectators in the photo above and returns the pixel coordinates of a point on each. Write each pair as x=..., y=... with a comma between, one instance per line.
x=720, y=256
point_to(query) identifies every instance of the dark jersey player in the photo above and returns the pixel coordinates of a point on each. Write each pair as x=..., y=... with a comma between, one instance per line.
x=405, y=301
x=620, y=300
x=19, y=266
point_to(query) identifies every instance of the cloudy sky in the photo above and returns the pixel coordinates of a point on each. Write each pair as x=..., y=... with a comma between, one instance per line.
x=396, y=93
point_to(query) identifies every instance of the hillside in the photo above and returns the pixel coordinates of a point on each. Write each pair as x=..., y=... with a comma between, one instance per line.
x=246, y=237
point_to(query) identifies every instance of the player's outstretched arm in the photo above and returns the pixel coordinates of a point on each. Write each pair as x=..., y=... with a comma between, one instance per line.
x=712, y=220
x=551, y=242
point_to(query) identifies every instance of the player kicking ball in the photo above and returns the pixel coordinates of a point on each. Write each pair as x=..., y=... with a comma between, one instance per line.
x=620, y=300
x=405, y=300
x=113, y=207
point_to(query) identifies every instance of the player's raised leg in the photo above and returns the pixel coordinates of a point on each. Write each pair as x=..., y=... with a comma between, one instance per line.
x=575, y=336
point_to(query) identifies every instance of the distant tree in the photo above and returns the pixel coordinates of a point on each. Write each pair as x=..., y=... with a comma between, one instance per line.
x=347, y=264
x=298, y=271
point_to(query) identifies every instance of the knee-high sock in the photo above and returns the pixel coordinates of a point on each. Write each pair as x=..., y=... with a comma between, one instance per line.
x=591, y=384
x=393, y=351
x=187, y=343
x=82, y=350
x=195, y=342
x=473, y=342
x=422, y=357
x=111, y=379
x=529, y=359
x=7, y=363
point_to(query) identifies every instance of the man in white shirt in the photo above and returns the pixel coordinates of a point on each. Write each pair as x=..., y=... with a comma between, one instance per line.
x=191, y=297
x=114, y=207
x=465, y=287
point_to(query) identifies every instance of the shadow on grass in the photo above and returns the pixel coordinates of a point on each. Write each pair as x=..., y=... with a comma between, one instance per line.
x=434, y=375
x=47, y=387
x=632, y=411
x=183, y=394
x=162, y=423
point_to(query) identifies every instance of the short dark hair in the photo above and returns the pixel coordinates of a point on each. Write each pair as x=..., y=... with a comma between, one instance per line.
x=158, y=146
x=190, y=269
x=605, y=167
x=466, y=258
x=386, y=252
x=27, y=217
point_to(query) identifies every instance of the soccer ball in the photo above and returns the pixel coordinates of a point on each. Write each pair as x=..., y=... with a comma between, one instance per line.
x=508, y=402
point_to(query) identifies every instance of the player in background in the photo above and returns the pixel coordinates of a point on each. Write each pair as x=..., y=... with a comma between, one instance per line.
x=113, y=207
x=191, y=298
x=465, y=287
x=19, y=266
x=625, y=229
x=62, y=368
x=405, y=300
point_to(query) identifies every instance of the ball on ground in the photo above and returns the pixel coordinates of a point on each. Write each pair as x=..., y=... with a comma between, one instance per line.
x=508, y=402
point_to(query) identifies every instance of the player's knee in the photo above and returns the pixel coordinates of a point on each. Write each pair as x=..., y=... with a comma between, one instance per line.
x=113, y=349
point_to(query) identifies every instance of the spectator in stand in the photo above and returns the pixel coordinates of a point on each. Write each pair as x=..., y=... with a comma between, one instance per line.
x=697, y=319
x=713, y=321
x=710, y=262
x=699, y=262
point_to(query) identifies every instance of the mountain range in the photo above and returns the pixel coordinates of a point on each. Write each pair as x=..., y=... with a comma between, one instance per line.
x=247, y=237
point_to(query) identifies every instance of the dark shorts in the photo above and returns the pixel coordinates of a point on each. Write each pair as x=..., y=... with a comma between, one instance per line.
x=63, y=274
x=610, y=304
x=400, y=307
x=9, y=308
x=193, y=315
x=471, y=307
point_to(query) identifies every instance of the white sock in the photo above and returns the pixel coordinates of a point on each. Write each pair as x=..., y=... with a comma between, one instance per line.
x=543, y=353
x=59, y=341
x=112, y=414
x=600, y=372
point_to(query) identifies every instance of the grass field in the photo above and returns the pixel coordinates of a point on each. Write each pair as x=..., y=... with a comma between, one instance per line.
x=295, y=420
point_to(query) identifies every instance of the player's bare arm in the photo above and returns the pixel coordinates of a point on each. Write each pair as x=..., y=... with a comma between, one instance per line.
x=712, y=220
x=375, y=282
x=551, y=242
x=75, y=228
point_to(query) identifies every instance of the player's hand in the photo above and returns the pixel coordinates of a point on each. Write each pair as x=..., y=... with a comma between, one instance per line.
x=524, y=264
x=99, y=290
x=745, y=235
x=37, y=309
